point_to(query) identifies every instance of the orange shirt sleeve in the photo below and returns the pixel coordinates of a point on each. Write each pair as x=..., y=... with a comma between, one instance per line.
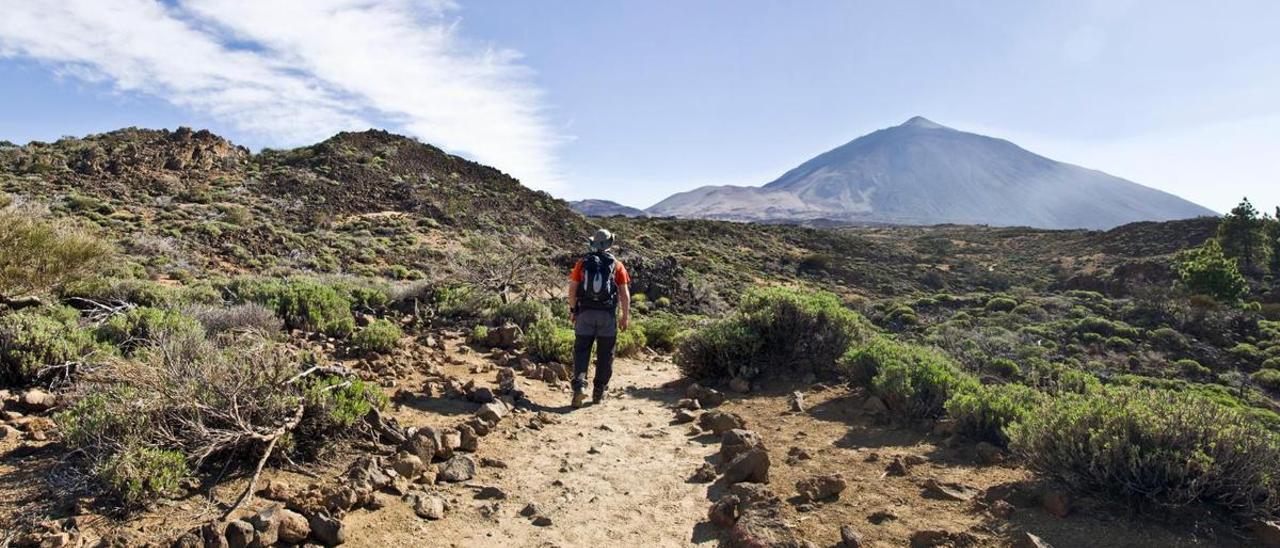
x=620, y=275
x=576, y=274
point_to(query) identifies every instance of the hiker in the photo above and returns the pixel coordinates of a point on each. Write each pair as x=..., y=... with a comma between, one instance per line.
x=597, y=289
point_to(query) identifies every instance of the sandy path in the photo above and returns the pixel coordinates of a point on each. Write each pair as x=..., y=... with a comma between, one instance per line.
x=607, y=475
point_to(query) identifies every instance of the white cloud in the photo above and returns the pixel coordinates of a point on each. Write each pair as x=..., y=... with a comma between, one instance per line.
x=298, y=71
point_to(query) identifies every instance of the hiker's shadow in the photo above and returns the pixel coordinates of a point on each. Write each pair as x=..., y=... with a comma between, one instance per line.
x=536, y=407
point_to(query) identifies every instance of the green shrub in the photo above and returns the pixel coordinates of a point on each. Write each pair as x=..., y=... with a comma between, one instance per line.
x=1271, y=363
x=911, y=379
x=774, y=330
x=125, y=290
x=629, y=343
x=1119, y=344
x=1000, y=304
x=379, y=337
x=140, y=474
x=549, y=341
x=341, y=402
x=1246, y=353
x=901, y=316
x=1004, y=367
x=662, y=332
x=523, y=313
x=1192, y=368
x=302, y=303
x=1267, y=378
x=663, y=302
x=1168, y=340
x=1104, y=328
x=35, y=338
x=141, y=325
x=479, y=334
x=1206, y=270
x=1155, y=447
x=463, y=302
x=985, y=411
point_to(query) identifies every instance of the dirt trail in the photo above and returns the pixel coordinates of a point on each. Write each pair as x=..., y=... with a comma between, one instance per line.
x=610, y=474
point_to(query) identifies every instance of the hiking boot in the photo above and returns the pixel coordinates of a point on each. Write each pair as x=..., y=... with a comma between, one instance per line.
x=597, y=396
x=579, y=396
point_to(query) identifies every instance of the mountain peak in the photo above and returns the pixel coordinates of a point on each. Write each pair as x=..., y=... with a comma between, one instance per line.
x=921, y=121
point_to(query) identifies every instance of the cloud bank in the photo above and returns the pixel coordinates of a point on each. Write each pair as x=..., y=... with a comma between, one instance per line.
x=297, y=71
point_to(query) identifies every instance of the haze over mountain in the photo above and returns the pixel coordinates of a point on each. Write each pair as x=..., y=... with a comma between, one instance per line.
x=922, y=172
x=605, y=208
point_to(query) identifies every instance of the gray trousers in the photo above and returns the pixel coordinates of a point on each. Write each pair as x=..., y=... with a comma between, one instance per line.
x=598, y=327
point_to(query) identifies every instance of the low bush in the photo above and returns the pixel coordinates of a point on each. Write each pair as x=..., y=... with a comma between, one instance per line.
x=33, y=339
x=661, y=332
x=523, y=313
x=1155, y=447
x=1000, y=304
x=379, y=337
x=630, y=343
x=121, y=290
x=984, y=412
x=1192, y=368
x=774, y=330
x=479, y=334
x=1004, y=368
x=141, y=325
x=1267, y=378
x=140, y=474
x=549, y=340
x=1207, y=270
x=463, y=302
x=913, y=380
x=236, y=318
x=337, y=402
x=40, y=254
x=302, y=303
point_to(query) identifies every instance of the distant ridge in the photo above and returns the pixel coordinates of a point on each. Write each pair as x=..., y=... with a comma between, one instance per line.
x=922, y=172
x=605, y=208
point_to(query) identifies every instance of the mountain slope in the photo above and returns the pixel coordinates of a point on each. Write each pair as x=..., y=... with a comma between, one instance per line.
x=924, y=173
x=605, y=208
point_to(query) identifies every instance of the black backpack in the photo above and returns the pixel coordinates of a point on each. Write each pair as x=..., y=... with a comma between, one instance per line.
x=598, y=291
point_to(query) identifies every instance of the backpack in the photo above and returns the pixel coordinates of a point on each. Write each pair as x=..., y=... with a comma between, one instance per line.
x=598, y=291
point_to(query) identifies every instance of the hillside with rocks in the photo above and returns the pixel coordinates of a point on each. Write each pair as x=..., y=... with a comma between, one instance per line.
x=924, y=173
x=364, y=342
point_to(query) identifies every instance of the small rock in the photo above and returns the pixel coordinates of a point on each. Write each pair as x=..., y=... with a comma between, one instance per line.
x=481, y=394
x=736, y=442
x=428, y=506
x=704, y=474
x=796, y=400
x=720, y=421
x=294, y=528
x=213, y=536
x=408, y=465
x=7, y=432
x=492, y=412
x=930, y=537
x=1001, y=509
x=817, y=488
x=1056, y=503
x=949, y=491
x=38, y=400
x=740, y=385
x=239, y=534
x=326, y=530
x=542, y=521
x=425, y=443
x=529, y=510
x=1028, y=540
x=752, y=466
x=470, y=441
x=490, y=462
x=491, y=492
x=849, y=537
x=796, y=454
x=724, y=512
x=684, y=416
x=459, y=468
x=450, y=440
x=688, y=404
x=266, y=525
x=896, y=467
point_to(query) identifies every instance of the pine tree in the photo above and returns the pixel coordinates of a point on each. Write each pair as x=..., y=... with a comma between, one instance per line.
x=1207, y=271
x=1240, y=234
x=1273, y=240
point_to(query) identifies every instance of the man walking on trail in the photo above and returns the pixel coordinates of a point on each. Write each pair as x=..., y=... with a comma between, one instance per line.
x=598, y=288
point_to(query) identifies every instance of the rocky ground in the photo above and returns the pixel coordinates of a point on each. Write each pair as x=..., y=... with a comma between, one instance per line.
x=660, y=463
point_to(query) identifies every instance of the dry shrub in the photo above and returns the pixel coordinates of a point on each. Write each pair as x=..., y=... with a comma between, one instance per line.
x=40, y=254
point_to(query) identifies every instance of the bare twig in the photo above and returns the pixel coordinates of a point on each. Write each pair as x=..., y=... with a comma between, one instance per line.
x=271, y=445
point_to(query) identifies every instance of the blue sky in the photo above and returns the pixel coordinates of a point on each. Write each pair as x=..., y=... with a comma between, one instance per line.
x=633, y=101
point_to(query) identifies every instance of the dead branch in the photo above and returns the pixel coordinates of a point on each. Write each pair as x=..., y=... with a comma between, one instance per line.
x=271, y=440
